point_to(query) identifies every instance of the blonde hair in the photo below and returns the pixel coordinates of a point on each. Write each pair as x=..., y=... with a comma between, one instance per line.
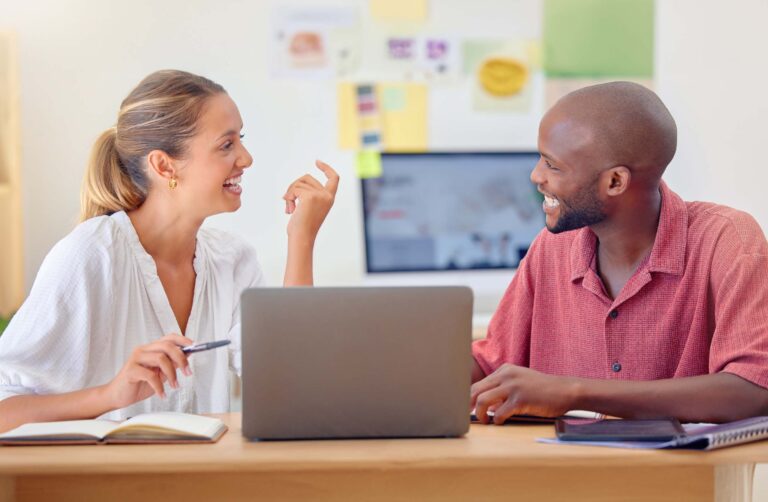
x=159, y=114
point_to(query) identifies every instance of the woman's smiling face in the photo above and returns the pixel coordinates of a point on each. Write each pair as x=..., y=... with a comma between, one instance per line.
x=209, y=174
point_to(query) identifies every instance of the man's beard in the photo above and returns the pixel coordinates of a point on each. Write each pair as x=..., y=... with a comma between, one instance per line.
x=583, y=210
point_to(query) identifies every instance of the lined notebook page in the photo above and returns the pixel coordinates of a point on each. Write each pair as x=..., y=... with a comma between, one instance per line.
x=70, y=428
x=171, y=421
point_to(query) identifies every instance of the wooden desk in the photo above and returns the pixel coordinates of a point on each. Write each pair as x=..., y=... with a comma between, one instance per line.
x=491, y=463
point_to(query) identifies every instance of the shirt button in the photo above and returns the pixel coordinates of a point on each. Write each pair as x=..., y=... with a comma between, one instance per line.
x=613, y=314
x=616, y=367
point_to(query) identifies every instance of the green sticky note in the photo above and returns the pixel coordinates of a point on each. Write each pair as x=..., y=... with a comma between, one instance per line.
x=393, y=98
x=368, y=164
x=598, y=38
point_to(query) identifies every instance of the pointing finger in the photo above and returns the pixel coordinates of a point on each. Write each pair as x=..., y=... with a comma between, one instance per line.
x=333, y=177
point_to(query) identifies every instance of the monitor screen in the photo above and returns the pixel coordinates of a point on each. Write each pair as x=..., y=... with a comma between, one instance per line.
x=451, y=211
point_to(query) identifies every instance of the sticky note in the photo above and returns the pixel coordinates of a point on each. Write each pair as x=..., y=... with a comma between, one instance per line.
x=348, y=127
x=401, y=120
x=368, y=164
x=597, y=38
x=399, y=10
x=404, y=128
x=369, y=122
x=399, y=48
x=393, y=98
x=371, y=139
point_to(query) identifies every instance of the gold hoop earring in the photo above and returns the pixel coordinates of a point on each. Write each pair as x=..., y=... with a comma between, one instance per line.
x=173, y=183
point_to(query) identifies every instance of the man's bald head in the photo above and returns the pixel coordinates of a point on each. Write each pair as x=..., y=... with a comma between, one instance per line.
x=626, y=124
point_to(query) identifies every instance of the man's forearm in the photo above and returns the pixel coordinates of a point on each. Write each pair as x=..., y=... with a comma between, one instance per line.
x=721, y=397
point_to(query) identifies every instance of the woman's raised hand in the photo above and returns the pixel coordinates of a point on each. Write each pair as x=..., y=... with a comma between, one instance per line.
x=308, y=202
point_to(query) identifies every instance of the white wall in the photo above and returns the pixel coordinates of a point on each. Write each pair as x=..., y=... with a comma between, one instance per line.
x=80, y=58
x=712, y=71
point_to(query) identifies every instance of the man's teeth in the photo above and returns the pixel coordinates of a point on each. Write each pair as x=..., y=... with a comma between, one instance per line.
x=233, y=181
x=550, y=201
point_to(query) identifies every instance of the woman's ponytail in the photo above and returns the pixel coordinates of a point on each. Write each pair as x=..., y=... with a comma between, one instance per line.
x=107, y=188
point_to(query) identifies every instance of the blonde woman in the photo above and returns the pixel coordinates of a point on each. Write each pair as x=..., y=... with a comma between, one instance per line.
x=116, y=299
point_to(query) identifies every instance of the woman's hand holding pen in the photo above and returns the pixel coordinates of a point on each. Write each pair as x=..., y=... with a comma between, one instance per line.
x=147, y=369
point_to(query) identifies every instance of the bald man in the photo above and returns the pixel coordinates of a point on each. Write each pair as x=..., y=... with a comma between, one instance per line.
x=631, y=302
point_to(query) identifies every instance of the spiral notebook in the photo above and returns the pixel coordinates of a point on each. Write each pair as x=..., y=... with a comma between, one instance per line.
x=697, y=437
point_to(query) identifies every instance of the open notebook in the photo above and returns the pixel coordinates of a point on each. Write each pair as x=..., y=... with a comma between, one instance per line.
x=697, y=436
x=165, y=427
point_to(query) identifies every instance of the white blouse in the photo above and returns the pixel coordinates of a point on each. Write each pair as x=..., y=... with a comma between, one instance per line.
x=97, y=296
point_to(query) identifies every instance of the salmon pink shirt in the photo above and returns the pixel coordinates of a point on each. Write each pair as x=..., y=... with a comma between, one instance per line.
x=697, y=304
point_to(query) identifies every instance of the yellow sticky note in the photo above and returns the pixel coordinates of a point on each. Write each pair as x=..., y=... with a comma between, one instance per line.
x=402, y=121
x=349, y=127
x=368, y=164
x=404, y=127
x=368, y=123
x=399, y=10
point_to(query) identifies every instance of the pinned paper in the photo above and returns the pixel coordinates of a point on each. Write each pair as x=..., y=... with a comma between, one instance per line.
x=399, y=10
x=501, y=76
x=397, y=58
x=401, y=117
x=349, y=135
x=440, y=58
x=405, y=128
x=368, y=116
x=393, y=98
x=401, y=48
x=598, y=38
x=504, y=71
x=369, y=123
x=307, y=49
x=368, y=164
x=314, y=42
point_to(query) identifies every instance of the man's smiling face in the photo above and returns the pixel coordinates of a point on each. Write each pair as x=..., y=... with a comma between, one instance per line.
x=566, y=174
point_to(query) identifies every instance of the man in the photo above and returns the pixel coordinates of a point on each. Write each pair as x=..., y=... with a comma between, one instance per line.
x=632, y=302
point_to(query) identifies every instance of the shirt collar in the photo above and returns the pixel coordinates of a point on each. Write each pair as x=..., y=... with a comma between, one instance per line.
x=668, y=252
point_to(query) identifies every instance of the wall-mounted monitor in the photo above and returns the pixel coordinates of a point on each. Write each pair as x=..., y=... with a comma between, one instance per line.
x=450, y=212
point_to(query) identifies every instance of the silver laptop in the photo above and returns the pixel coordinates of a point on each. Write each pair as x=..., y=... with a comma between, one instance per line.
x=356, y=362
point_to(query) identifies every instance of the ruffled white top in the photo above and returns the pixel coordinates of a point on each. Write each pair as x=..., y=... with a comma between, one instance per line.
x=97, y=296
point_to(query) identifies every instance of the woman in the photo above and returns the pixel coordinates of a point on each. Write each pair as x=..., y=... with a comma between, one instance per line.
x=115, y=300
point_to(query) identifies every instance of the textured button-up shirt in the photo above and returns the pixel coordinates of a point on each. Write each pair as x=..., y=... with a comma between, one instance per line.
x=697, y=304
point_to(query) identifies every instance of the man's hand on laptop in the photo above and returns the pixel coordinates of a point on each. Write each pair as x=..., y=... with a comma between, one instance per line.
x=514, y=390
